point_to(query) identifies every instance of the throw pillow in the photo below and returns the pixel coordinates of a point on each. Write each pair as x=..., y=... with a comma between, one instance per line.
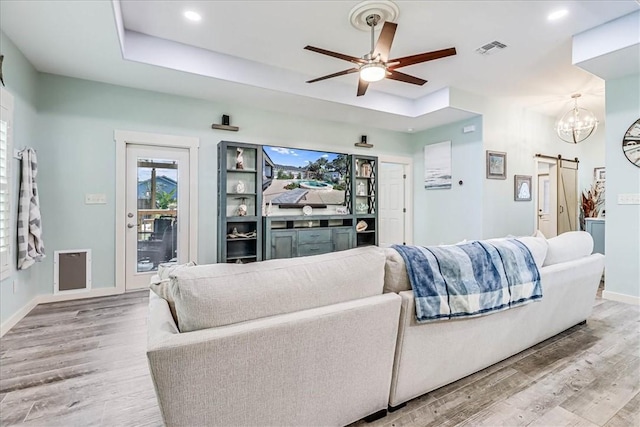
x=568, y=246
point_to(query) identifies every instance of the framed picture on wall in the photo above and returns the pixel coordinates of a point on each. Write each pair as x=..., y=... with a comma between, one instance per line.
x=496, y=165
x=522, y=188
x=598, y=174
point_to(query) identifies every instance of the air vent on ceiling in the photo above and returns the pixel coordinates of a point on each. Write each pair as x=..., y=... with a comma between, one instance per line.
x=492, y=47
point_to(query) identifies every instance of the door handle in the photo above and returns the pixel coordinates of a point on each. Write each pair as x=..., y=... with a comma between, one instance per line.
x=130, y=225
x=561, y=208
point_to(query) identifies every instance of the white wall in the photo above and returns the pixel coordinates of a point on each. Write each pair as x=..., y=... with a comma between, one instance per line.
x=622, y=225
x=76, y=121
x=21, y=81
x=447, y=216
x=522, y=134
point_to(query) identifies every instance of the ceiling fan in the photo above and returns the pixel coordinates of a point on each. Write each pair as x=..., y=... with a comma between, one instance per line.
x=376, y=65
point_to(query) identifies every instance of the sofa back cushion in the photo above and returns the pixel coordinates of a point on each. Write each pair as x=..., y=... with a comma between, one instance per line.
x=208, y=296
x=568, y=246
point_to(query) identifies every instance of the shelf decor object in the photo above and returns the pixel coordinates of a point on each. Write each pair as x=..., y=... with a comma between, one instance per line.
x=225, y=124
x=577, y=124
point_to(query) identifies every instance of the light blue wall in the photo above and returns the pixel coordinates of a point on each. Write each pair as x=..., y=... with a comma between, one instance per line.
x=21, y=81
x=622, y=226
x=76, y=122
x=449, y=216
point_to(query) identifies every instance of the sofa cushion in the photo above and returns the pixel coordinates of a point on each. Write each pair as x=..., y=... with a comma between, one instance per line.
x=568, y=246
x=396, y=278
x=538, y=246
x=209, y=296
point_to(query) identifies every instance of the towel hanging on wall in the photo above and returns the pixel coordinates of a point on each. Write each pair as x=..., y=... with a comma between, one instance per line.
x=30, y=244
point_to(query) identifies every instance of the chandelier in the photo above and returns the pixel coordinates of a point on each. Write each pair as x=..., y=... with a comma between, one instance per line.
x=577, y=124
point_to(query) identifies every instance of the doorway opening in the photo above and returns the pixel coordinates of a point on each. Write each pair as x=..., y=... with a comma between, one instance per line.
x=557, y=195
x=156, y=205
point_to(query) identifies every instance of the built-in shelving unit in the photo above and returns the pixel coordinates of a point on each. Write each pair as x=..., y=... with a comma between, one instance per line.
x=245, y=235
x=239, y=201
x=365, y=199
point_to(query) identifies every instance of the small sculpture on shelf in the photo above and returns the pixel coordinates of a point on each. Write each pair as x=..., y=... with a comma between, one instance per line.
x=239, y=159
x=240, y=187
x=242, y=208
x=361, y=189
x=362, y=208
x=365, y=170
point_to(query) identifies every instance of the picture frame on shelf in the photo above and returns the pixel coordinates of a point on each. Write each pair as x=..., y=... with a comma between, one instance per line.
x=496, y=165
x=522, y=188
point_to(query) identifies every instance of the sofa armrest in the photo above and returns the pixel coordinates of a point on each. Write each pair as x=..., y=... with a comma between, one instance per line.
x=324, y=366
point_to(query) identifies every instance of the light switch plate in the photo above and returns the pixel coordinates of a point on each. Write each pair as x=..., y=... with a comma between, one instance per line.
x=95, y=199
x=629, y=199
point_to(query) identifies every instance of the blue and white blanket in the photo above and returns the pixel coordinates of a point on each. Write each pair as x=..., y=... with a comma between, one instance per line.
x=470, y=279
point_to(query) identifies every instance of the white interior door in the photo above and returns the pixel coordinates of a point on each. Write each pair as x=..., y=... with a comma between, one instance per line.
x=392, y=210
x=157, y=210
x=545, y=224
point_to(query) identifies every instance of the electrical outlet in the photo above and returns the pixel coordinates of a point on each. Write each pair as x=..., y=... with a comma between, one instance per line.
x=95, y=199
x=629, y=199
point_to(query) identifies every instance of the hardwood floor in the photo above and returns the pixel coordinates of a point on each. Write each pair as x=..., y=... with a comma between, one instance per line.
x=83, y=363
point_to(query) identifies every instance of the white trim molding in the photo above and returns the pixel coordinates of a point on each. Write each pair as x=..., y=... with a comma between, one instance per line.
x=614, y=296
x=122, y=138
x=18, y=315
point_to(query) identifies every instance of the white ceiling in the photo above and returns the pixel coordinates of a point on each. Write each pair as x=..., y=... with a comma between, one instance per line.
x=251, y=52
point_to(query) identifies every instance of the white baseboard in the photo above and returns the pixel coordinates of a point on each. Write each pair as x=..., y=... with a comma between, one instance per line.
x=95, y=292
x=43, y=299
x=18, y=315
x=614, y=296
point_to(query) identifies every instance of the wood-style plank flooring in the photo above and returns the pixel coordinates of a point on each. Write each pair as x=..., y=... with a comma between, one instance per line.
x=83, y=363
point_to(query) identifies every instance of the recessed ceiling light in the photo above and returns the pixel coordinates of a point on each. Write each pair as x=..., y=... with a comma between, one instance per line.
x=410, y=130
x=192, y=16
x=554, y=16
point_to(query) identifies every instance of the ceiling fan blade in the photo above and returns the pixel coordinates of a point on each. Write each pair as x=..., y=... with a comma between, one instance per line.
x=339, y=73
x=362, y=87
x=402, y=77
x=353, y=59
x=421, y=57
x=383, y=46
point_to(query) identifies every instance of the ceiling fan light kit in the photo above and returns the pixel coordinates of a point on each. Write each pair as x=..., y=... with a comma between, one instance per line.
x=577, y=124
x=376, y=65
x=372, y=72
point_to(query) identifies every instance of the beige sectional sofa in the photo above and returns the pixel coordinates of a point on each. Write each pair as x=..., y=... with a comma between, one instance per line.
x=431, y=355
x=330, y=339
x=303, y=341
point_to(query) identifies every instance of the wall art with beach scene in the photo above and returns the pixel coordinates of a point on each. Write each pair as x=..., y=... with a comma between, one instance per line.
x=437, y=166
